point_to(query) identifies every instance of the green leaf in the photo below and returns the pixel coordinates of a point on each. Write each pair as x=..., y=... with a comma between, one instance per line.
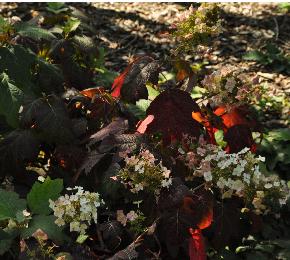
x=110, y=189
x=284, y=254
x=282, y=134
x=33, y=32
x=197, y=92
x=283, y=243
x=85, y=43
x=71, y=25
x=49, y=78
x=4, y=25
x=4, y=235
x=45, y=223
x=18, y=64
x=272, y=49
x=11, y=98
x=30, y=73
x=165, y=76
x=265, y=248
x=219, y=138
x=284, y=6
x=7, y=237
x=257, y=255
x=56, y=7
x=152, y=92
x=256, y=56
x=18, y=146
x=10, y=204
x=50, y=117
x=81, y=239
x=139, y=110
x=105, y=77
x=40, y=194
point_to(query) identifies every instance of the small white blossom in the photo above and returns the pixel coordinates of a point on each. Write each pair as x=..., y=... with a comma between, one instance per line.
x=166, y=183
x=77, y=209
x=132, y=215
x=26, y=213
x=221, y=183
x=138, y=187
x=143, y=172
x=238, y=170
x=260, y=158
x=41, y=178
x=165, y=172
x=268, y=185
x=207, y=176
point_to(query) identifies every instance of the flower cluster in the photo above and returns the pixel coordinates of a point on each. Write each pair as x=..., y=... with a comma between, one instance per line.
x=237, y=174
x=123, y=219
x=228, y=86
x=142, y=172
x=77, y=209
x=135, y=219
x=197, y=26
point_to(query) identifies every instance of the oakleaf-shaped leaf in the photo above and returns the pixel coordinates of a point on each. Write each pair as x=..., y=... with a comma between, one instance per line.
x=131, y=84
x=228, y=227
x=234, y=123
x=172, y=112
x=237, y=128
x=7, y=238
x=49, y=116
x=47, y=225
x=10, y=204
x=30, y=73
x=18, y=147
x=71, y=25
x=92, y=159
x=33, y=32
x=11, y=98
x=117, y=126
x=38, y=197
x=17, y=63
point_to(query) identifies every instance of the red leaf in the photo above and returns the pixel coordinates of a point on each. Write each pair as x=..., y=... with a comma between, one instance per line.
x=172, y=116
x=131, y=84
x=236, y=127
x=183, y=69
x=200, y=206
x=235, y=116
x=118, y=82
x=142, y=125
x=91, y=92
x=196, y=245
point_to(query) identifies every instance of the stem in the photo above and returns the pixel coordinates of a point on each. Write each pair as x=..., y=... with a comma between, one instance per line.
x=199, y=186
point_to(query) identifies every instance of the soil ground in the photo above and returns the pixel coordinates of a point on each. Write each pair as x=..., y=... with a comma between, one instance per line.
x=129, y=29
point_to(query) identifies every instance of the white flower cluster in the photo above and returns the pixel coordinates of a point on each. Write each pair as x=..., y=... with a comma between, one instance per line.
x=141, y=172
x=77, y=210
x=237, y=174
x=229, y=86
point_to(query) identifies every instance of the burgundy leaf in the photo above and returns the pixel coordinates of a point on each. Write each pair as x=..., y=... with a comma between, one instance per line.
x=131, y=84
x=172, y=111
